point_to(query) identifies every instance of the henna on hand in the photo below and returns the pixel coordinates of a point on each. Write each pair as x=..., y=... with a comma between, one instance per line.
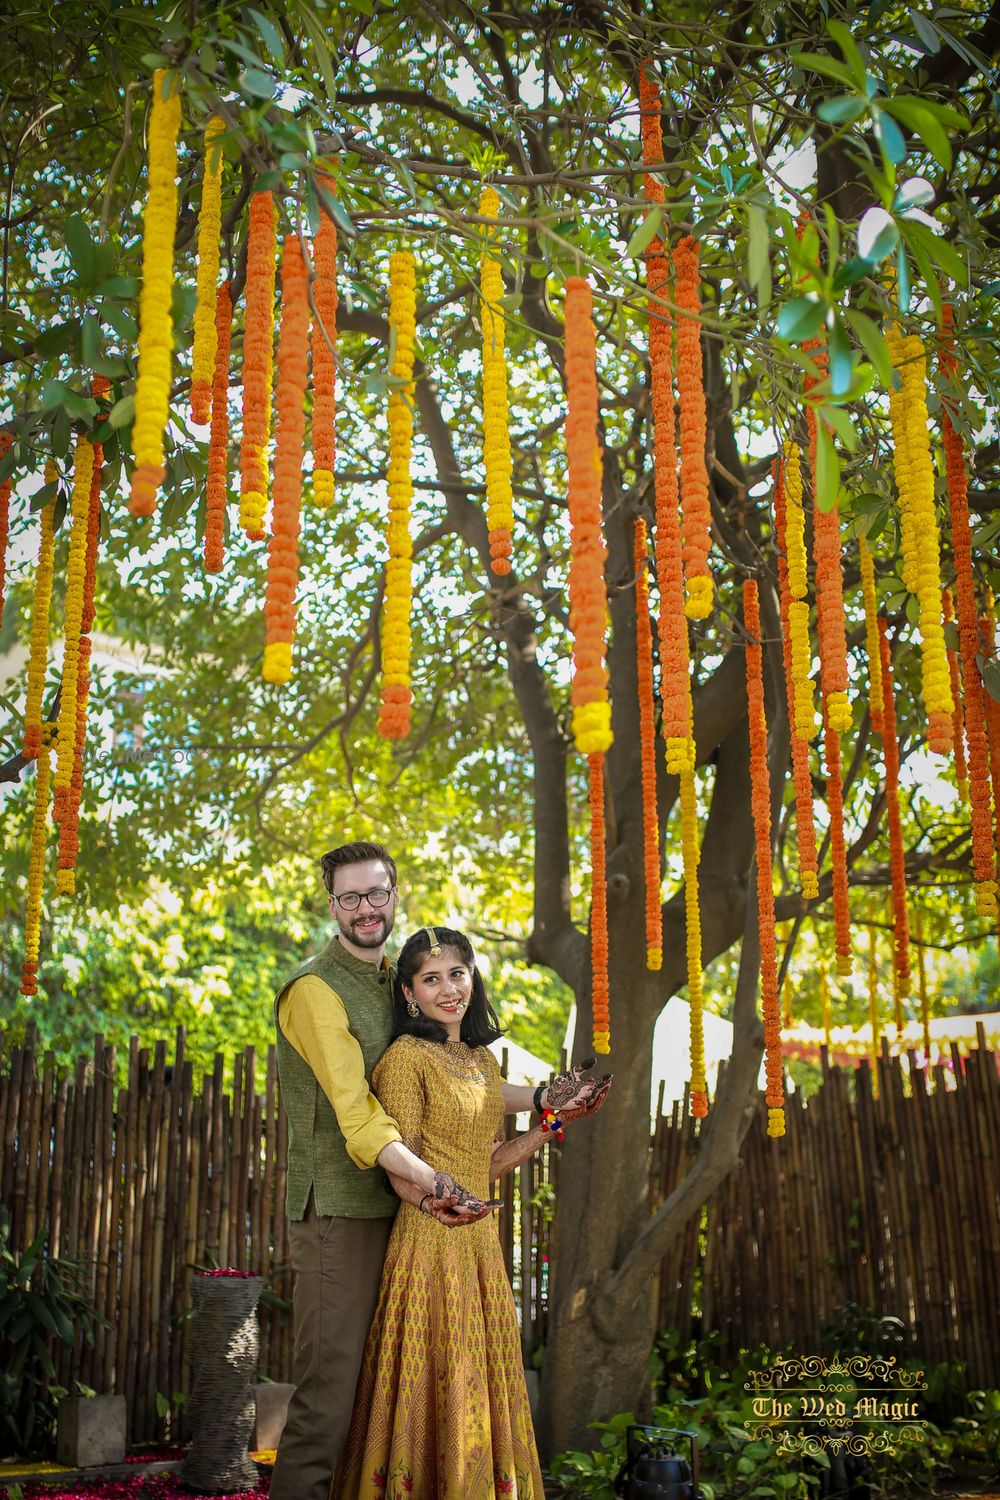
x=450, y=1196
x=571, y=1096
x=580, y=1108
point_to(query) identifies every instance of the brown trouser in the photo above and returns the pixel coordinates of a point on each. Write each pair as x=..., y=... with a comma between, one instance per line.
x=337, y=1265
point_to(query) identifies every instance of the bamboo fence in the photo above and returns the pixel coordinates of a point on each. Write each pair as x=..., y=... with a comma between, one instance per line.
x=885, y=1198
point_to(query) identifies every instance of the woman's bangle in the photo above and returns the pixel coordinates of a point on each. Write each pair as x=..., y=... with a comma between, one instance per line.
x=420, y=1205
x=536, y=1098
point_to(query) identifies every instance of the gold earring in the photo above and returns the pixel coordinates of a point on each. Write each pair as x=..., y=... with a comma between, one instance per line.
x=412, y=1009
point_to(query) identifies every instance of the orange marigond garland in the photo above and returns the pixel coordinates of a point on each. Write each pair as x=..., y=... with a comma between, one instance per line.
x=647, y=740
x=496, y=427
x=206, y=307
x=290, y=400
x=696, y=514
x=218, y=447
x=760, y=793
x=6, y=443
x=692, y=926
x=36, y=862
x=831, y=622
x=258, y=363
x=897, y=857
x=600, y=994
x=958, y=718
x=801, y=778
x=983, y=866
x=587, y=593
x=870, y=597
x=76, y=573
x=397, y=696
x=324, y=356
x=39, y=647
x=838, y=848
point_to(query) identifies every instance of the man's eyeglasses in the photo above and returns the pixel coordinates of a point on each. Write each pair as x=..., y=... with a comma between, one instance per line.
x=351, y=900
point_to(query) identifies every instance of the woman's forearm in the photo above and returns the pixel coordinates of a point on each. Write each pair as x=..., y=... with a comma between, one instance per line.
x=510, y=1154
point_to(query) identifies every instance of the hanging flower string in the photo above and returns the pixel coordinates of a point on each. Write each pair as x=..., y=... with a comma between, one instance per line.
x=921, y=547
x=217, y=483
x=803, y=704
x=76, y=574
x=987, y=625
x=925, y=1022
x=692, y=925
x=290, y=400
x=870, y=598
x=696, y=515
x=600, y=994
x=587, y=595
x=70, y=821
x=156, y=326
x=647, y=742
x=824, y=1005
x=324, y=355
x=36, y=862
x=801, y=778
x=38, y=649
x=6, y=443
x=394, y=717
x=258, y=364
x=496, y=425
x=983, y=857
x=838, y=849
x=206, y=305
x=897, y=856
x=957, y=721
x=873, y=1002
x=831, y=624
x=760, y=797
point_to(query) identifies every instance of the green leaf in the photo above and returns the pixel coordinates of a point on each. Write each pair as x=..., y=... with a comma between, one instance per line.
x=271, y=36
x=923, y=123
x=256, y=83
x=871, y=339
x=8, y=464
x=902, y=278
x=852, y=271
x=759, y=254
x=926, y=31
x=41, y=497
x=939, y=249
x=58, y=339
x=123, y=287
x=818, y=62
x=90, y=340
x=323, y=60
x=841, y=353
x=842, y=425
x=80, y=246
x=890, y=138
x=801, y=319
x=644, y=235
x=840, y=109
x=122, y=414
x=827, y=467
x=849, y=48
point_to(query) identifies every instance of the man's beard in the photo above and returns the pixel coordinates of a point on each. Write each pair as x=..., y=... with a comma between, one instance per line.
x=373, y=939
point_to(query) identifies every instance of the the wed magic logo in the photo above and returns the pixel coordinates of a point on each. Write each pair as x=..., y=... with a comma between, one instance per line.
x=853, y=1403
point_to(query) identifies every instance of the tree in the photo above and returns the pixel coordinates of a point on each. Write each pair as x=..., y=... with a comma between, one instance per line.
x=767, y=114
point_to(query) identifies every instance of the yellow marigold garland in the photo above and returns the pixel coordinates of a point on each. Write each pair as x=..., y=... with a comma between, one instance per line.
x=647, y=741
x=915, y=483
x=156, y=329
x=258, y=364
x=496, y=426
x=76, y=572
x=36, y=863
x=803, y=707
x=696, y=513
x=873, y=1001
x=824, y=1005
x=324, y=360
x=587, y=593
x=394, y=717
x=6, y=443
x=870, y=597
x=805, y=828
x=209, y=230
x=922, y=987
x=600, y=990
x=39, y=647
x=692, y=938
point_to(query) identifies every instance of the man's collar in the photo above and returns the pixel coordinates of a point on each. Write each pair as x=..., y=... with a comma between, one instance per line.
x=341, y=955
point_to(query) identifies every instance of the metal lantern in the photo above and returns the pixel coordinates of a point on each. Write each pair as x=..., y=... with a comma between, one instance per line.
x=653, y=1470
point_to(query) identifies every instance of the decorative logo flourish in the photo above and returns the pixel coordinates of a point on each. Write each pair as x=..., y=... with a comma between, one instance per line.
x=856, y=1403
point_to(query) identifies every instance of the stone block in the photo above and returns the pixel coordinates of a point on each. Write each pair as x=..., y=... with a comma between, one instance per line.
x=90, y=1431
x=272, y=1400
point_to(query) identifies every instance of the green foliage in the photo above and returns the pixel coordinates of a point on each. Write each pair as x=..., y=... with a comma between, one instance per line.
x=40, y=1302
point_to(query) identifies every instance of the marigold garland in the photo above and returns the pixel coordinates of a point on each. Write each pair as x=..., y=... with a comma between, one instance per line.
x=803, y=704
x=897, y=856
x=696, y=514
x=870, y=597
x=983, y=868
x=587, y=595
x=258, y=363
x=802, y=780
x=394, y=717
x=647, y=741
x=496, y=428
x=992, y=708
x=6, y=443
x=600, y=992
x=324, y=356
x=76, y=573
x=290, y=401
x=838, y=848
x=39, y=644
x=873, y=1002
x=760, y=800
x=36, y=863
x=824, y=1005
x=652, y=131
x=958, y=718
x=206, y=305
x=217, y=482
x=922, y=987
x=831, y=623
x=921, y=548
x=156, y=327
x=692, y=926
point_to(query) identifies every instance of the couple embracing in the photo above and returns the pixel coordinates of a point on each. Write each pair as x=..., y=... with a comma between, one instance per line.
x=407, y=1354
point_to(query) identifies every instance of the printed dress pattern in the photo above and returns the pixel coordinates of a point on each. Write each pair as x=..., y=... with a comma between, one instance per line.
x=441, y=1411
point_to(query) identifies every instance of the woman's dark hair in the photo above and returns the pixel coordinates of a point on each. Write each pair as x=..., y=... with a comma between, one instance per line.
x=480, y=1024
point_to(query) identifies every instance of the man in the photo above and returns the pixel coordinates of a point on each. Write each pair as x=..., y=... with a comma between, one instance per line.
x=333, y=1022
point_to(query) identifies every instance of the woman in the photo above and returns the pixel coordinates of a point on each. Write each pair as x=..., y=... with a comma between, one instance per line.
x=441, y=1411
